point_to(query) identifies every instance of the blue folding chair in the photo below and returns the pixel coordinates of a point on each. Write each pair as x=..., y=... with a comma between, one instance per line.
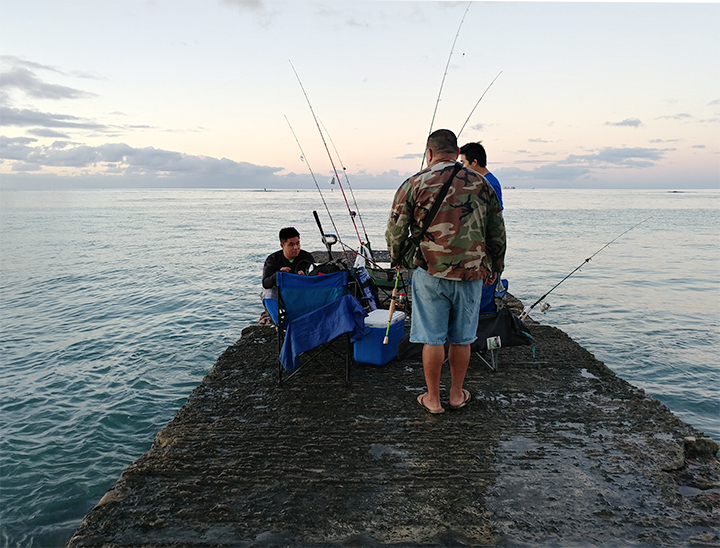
x=313, y=311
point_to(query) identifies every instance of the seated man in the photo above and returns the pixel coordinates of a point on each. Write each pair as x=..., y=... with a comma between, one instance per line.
x=290, y=258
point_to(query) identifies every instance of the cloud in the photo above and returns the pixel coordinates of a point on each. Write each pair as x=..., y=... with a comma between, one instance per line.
x=253, y=5
x=111, y=158
x=264, y=15
x=410, y=156
x=538, y=140
x=118, y=165
x=48, y=133
x=10, y=116
x=618, y=157
x=15, y=61
x=578, y=167
x=714, y=103
x=549, y=172
x=698, y=146
x=628, y=122
x=16, y=148
x=22, y=79
x=680, y=116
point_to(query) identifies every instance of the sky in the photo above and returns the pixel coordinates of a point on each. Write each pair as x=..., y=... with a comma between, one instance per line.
x=264, y=93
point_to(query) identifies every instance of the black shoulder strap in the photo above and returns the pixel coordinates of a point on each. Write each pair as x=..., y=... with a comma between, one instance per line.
x=436, y=204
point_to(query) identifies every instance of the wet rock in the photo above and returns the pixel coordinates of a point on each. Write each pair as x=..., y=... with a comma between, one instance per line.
x=554, y=450
x=703, y=448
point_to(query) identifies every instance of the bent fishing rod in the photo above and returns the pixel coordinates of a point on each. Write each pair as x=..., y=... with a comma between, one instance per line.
x=342, y=165
x=322, y=136
x=527, y=311
x=336, y=236
x=476, y=105
x=307, y=163
x=442, y=82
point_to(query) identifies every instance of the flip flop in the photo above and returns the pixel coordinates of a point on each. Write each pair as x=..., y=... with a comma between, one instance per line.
x=467, y=399
x=420, y=399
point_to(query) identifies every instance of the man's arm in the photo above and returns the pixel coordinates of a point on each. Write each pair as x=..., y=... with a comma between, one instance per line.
x=495, y=237
x=398, y=223
x=269, y=269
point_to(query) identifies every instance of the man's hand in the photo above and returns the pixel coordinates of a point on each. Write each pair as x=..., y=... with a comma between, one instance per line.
x=285, y=269
x=490, y=280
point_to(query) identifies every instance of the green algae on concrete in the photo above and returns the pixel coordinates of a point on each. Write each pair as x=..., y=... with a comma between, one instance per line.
x=553, y=450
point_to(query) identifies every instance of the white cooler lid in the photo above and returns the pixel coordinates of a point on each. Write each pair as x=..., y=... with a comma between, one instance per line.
x=379, y=317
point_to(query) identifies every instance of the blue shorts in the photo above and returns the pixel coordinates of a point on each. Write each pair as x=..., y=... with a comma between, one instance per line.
x=444, y=309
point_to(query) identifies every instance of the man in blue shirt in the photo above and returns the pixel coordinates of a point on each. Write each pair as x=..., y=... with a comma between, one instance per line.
x=473, y=156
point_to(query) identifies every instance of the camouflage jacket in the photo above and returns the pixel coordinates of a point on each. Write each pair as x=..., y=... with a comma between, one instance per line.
x=466, y=240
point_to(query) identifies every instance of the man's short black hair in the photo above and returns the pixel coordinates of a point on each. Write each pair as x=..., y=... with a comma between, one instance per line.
x=474, y=151
x=442, y=141
x=287, y=233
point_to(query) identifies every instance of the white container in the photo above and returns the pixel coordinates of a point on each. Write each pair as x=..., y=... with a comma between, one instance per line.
x=379, y=318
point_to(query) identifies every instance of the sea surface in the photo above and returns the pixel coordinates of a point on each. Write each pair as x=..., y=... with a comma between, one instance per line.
x=115, y=303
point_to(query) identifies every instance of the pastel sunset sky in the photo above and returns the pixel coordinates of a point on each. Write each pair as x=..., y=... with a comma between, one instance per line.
x=200, y=92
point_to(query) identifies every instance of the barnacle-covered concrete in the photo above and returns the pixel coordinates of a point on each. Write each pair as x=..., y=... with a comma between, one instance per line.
x=553, y=450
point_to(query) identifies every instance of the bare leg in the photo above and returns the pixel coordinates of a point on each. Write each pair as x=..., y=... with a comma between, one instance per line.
x=433, y=358
x=459, y=357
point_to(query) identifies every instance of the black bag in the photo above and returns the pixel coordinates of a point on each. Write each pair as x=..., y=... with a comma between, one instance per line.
x=408, y=251
x=410, y=248
x=503, y=324
x=325, y=268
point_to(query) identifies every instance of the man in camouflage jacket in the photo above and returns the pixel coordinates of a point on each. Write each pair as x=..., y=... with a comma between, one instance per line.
x=463, y=248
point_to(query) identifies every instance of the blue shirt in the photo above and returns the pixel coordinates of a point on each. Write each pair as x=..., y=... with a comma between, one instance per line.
x=496, y=186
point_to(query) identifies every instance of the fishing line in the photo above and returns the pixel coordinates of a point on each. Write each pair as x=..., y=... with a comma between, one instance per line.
x=337, y=177
x=527, y=311
x=313, y=177
x=342, y=165
x=442, y=83
x=476, y=104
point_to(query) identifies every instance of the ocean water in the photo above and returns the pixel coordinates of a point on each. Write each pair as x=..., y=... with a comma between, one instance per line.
x=115, y=303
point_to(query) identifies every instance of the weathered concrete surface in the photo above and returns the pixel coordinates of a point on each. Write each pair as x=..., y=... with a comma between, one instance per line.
x=554, y=450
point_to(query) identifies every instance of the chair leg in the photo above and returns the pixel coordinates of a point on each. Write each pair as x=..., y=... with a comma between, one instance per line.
x=348, y=359
x=494, y=358
x=280, y=367
x=284, y=377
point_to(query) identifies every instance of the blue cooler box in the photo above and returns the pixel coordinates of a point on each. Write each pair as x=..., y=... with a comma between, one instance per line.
x=370, y=349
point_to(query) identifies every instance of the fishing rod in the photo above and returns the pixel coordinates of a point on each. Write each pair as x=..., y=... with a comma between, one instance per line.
x=527, y=311
x=307, y=163
x=326, y=237
x=391, y=311
x=342, y=165
x=322, y=136
x=442, y=83
x=476, y=104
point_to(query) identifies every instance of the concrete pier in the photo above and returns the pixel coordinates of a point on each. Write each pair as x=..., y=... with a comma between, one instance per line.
x=554, y=450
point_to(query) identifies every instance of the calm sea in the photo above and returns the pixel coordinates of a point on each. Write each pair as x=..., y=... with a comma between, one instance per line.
x=114, y=305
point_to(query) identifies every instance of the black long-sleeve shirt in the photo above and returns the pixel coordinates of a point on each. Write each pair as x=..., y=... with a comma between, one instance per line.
x=277, y=260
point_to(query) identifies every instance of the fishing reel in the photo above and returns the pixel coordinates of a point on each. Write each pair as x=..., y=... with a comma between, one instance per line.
x=400, y=301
